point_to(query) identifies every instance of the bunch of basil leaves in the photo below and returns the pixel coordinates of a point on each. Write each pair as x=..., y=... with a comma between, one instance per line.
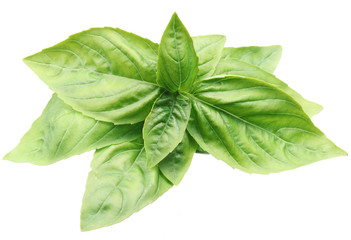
x=147, y=108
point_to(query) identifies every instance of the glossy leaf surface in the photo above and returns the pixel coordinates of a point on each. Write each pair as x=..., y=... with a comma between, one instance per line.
x=235, y=67
x=208, y=49
x=60, y=132
x=119, y=185
x=177, y=163
x=165, y=126
x=177, y=60
x=255, y=127
x=105, y=73
x=266, y=58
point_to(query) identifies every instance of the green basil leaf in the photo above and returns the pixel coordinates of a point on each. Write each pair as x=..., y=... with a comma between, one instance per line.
x=177, y=163
x=177, y=60
x=208, y=49
x=105, y=73
x=235, y=67
x=60, y=132
x=200, y=150
x=119, y=185
x=266, y=58
x=255, y=127
x=165, y=126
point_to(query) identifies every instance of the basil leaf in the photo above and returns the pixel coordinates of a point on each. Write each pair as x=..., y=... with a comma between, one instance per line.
x=119, y=185
x=200, y=150
x=255, y=127
x=177, y=163
x=208, y=49
x=177, y=60
x=165, y=126
x=266, y=58
x=60, y=132
x=105, y=73
x=235, y=67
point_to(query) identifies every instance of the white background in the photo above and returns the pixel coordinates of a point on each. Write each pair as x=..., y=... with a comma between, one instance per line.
x=213, y=201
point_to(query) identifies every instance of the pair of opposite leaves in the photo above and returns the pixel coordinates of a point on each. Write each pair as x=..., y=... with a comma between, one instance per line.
x=193, y=93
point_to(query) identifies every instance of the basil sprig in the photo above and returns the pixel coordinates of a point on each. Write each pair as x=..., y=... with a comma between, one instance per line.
x=147, y=108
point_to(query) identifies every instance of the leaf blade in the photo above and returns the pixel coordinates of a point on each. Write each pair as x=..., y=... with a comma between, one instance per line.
x=105, y=73
x=60, y=132
x=177, y=163
x=235, y=67
x=165, y=126
x=208, y=48
x=119, y=185
x=177, y=60
x=266, y=58
x=255, y=127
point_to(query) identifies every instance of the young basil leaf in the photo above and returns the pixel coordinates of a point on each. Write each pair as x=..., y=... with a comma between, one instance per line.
x=266, y=58
x=177, y=60
x=60, y=132
x=119, y=185
x=255, y=127
x=177, y=163
x=165, y=126
x=208, y=49
x=105, y=73
x=235, y=67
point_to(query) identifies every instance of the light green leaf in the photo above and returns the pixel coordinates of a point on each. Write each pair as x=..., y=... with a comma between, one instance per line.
x=60, y=132
x=255, y=127
x=165, y=126
x=235, y=67
x=208, y=49
x=177, y=163
x=177, y=60
x=266, y=58
x=105, y=73
x=119, y=185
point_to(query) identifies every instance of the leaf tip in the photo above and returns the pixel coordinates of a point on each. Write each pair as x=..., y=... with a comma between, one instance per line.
x=8, y=156
x=176, y=181
x=5, y=157
x=84, y=228
x=312, y=108
x=150, y=164
x=148, y=160
x=175, y=18
x=278, y=47
x=87, y=225
x=343, y=153
x=29, y=61
x=175, y=15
